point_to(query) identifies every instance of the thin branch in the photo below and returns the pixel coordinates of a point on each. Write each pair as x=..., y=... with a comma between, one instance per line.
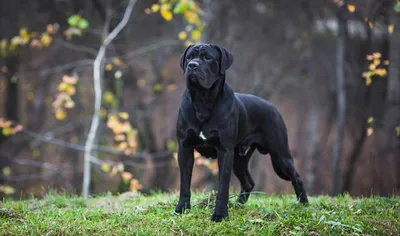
x=62, y=68
x=77, y=147
x=45, y=165
x=89, y=62
x=97, y=76
x=97, y=161
x=50, y=135
x=78, y=48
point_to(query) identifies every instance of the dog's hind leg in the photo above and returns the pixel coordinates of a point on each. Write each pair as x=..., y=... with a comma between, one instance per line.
x=240, y=168
x=284, y=166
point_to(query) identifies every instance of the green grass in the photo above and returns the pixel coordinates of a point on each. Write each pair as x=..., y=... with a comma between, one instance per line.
x=131, y=214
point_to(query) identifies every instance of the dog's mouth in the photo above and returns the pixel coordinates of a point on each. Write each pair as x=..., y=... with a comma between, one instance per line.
x=196, y=81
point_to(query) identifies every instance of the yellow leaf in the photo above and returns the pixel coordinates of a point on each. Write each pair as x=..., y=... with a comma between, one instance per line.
x=381, y=72
x=69, y=104
x=368, y=81
x=105, y=167
x=398, y=130
x=112, y=121
x=196, y=35
x=103, y=112
x=155, y=8
x=126, y=176
x=372, y=67
x=8, y=190
x=108, y=97
x=126, y=127
x=132, y=140
x=182, y=35
x=116, y=61
x=4, y=124
x=370, y=57
x=122, y=146
x=23, y=32
x=147, y=11
x=71, y=90
x=192, y=18
x=46, y=40
x=6, y=171
x=386, y=62
x=370, y=130
x=109, y=67
x=124, y=115
x=370, y=120
x=69, y=79
x=60, y=114
x=391, y=29
x=195, y=7
x=119, y=137
x=166, y=14
x=50, y=29
x=377, y=61
x=3, y=44
x=351, y=8
x=135, y=185
x=171, y=145
x=377, y=54
x=62, y=86
x=371, y=25
x=7, y=131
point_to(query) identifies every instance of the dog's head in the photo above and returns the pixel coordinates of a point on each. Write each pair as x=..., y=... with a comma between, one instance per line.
x=204, y=64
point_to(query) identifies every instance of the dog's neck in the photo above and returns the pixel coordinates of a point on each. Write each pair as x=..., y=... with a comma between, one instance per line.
x=203, y=101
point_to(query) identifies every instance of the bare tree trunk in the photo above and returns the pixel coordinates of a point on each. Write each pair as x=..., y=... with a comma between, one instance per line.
x=316, y=152
x=392, y=112
x=98, y=77
x=355, y=153
x=11, y=101
x=340, y=95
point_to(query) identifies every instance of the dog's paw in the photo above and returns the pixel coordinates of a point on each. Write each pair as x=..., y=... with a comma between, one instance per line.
x=219, y=215
x=242, y=199
x=181, y=207
x=303, y=198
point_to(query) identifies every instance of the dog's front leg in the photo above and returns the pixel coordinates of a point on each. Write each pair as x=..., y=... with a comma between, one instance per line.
x=225, y=163
x=185, y=161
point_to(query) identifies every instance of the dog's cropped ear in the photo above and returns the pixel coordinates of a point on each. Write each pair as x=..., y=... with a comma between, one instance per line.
x=182, y=60
x=225, y=59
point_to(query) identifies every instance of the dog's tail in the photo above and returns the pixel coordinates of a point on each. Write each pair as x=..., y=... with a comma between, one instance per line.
x=277, y=168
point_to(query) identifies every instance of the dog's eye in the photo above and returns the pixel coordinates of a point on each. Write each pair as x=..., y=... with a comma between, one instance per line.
x=207, y=57
x=190, y=57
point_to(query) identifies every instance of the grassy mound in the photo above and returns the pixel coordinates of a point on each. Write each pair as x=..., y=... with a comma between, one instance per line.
x=131, y=214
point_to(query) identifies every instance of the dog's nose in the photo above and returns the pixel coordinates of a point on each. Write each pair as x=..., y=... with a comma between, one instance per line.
x=193, y=65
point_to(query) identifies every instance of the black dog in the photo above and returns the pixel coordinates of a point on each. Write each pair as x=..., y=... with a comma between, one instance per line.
x=221, y=124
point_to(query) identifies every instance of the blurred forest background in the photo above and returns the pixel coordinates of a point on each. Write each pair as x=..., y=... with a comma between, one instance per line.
x=331, y=67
